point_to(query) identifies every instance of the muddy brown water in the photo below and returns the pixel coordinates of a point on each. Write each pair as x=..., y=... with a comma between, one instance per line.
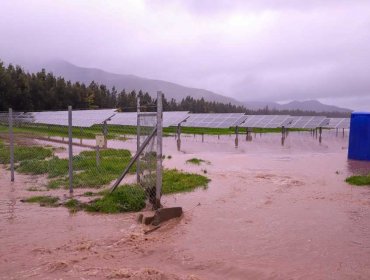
x=270, y=212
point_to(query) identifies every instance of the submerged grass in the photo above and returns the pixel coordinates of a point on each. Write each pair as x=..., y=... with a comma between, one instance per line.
x=196, y=161
x=74, y=205
x=50, y=201
x=175, y=181
x=359, y=180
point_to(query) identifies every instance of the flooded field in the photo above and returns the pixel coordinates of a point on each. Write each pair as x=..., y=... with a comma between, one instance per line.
x=275, y=209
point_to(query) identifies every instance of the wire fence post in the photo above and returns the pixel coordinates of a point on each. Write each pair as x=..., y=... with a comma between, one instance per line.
x=11, y=144
x=97, y=156
x=138, y=139
x=70, y=152
x=159, y=149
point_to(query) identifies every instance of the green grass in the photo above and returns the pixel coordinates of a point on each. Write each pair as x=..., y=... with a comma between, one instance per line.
x=126, y=198
x=50, y=201
x=40, y=130
x=175, y=181
x=359, y=180
x=74, y=205
x=86, y=172
x=196, y=161
x=22, y=153
x=116, y=132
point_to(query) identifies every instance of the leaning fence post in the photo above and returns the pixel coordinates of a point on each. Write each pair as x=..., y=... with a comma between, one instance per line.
x=159, y=149
x=70, y=152
x=11, y=144
x=138, y=140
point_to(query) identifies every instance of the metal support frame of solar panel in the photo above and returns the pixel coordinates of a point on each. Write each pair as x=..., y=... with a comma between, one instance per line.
x=221, y=120
x=339, y=123
x=172, y=118
x=266, y=121
x=80, y=118
x=308, y=122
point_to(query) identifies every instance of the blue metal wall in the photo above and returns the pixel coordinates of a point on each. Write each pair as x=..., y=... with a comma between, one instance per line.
x=359, y=137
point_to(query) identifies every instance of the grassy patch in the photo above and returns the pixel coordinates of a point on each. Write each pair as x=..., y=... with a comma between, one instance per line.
x=22, y=153
x=74, y=205
x=50, y=201
x=86, y=171
x=35, y=189
x=126, y=198
x=359, y=180
x=175, y=181
x=197, y=161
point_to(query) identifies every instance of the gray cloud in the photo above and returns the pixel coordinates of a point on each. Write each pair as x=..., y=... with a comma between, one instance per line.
x=251, y=50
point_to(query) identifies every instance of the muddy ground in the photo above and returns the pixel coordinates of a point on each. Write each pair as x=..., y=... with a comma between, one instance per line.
x=270, y=212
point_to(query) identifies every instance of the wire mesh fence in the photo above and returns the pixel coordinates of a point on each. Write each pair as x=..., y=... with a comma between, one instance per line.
x=147, y=161
x=73, y=154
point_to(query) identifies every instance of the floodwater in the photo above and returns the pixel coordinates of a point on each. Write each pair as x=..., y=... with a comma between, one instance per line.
x=271, y=211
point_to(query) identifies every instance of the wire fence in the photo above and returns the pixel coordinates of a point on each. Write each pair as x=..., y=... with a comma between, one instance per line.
x=71, y=154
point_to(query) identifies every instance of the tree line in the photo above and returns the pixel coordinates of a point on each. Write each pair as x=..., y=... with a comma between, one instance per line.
x=41, y=91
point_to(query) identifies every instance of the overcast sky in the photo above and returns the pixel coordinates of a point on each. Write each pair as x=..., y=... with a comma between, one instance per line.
x=251, y=50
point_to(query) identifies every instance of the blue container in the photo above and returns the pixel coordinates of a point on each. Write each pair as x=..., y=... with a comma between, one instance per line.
x=359, y=136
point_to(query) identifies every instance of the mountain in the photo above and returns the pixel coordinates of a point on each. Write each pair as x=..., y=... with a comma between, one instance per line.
x=309, y=105
x=171, y=90
x=312, y=105
x=131, y=82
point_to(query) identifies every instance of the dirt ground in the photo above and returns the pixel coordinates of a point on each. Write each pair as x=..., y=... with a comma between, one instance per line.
x=270, y=212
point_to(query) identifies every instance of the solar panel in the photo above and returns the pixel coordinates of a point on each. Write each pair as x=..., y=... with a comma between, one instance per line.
x=127, y=118
x=339, y=123
x=80, y=118
x=309, y=122
x=221, y=120
x=174, y=118
x=130, y=118
x=266, y=121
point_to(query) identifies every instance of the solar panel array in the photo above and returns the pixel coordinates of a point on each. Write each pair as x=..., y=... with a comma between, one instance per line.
x=130, y=118
x=81, y=118
x=222, y=120
x=339, y=123
x=309, y=122
x=266, y=121
x=87, y=118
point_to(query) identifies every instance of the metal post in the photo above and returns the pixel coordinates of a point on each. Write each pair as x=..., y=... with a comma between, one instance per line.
x=178, y=137
x=178, y=131
x=70, y=152
x=159, y=149
x=97, y=156
x=138, y=139
x=202, y=137
x=236, y=137
x=11, y=143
